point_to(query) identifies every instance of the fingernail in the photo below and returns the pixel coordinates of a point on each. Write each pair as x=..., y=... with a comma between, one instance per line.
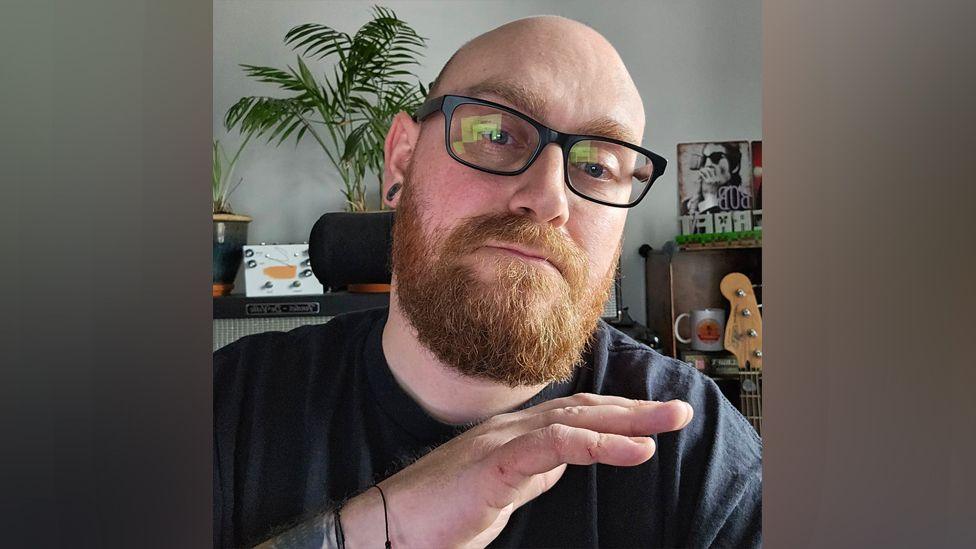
x=688, y=409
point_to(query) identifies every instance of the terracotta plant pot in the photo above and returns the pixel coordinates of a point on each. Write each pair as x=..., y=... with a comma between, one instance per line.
x=229, y=238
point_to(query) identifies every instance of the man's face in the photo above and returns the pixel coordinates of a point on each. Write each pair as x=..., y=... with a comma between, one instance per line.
x=513, y=268
x=716, y=157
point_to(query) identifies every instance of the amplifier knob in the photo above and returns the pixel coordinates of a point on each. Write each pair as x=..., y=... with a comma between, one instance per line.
x=248, y=253
x=267, y=284
x=251, y=263
x=296, y=284
x=307, y=273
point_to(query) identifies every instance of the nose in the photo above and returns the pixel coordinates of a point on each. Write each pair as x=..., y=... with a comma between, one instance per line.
x=541, y=192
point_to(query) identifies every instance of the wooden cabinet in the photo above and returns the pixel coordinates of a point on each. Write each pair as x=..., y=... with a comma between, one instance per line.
x=678, y=281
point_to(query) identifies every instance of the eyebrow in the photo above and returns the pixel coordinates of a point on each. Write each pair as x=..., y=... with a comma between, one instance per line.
x=522, y=98
x=608, y=127
x=535, y=105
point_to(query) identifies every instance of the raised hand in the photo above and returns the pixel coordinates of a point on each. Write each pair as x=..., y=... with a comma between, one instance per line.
x=463, y=493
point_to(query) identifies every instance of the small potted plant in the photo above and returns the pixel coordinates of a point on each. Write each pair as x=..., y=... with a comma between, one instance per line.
x=229, y=228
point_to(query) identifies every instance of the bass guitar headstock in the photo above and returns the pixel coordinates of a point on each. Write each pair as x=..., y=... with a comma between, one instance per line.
x=743, y=331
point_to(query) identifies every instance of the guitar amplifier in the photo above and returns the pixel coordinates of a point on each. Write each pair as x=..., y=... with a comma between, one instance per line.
x=236, y=316
x=613, y=308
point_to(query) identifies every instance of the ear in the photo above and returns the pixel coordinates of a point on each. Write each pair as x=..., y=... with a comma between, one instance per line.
x=397, y=152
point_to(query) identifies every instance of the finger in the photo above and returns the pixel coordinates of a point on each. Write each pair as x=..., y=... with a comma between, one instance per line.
x=642, y=420
x=584, y=399
x=542, y=450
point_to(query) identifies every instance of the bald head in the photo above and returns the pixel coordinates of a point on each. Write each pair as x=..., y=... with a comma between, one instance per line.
x=559, y=71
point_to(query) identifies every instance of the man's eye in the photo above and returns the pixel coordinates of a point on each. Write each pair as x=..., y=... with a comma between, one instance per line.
x=498, y=137
x=594, y=170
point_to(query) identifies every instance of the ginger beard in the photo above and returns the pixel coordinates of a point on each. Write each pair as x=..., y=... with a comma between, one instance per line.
x=520, y=324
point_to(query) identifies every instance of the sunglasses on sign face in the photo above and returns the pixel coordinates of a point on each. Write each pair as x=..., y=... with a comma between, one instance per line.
x=715, y=157
x=496, y=139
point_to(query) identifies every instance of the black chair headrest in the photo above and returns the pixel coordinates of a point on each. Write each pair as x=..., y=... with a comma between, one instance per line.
x=351, y=248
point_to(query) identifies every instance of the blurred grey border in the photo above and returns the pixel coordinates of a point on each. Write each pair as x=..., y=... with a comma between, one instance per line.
x=869, y=305
x=105, y=398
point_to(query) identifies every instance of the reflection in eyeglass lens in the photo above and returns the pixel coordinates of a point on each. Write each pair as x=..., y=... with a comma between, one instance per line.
x=492, y=139
x=607, y=171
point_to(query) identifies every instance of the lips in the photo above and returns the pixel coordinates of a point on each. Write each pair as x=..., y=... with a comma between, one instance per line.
x=524, y=253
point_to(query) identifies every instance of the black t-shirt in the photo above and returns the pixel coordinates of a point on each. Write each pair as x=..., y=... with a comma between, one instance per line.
x=307, y=418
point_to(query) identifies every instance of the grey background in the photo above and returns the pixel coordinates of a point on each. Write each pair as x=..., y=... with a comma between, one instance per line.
x=696, y=63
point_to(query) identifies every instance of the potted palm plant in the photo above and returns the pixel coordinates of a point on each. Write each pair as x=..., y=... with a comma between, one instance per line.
x=347, y=111
x=229, y=228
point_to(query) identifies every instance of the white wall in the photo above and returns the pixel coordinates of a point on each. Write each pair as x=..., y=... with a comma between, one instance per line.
x=696, y=63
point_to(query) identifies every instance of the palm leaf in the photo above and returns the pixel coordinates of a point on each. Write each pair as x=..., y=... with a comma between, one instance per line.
x=271, y=75
x=318, y=41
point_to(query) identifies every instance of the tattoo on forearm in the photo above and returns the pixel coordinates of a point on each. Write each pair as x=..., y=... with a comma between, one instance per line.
x=316, y=533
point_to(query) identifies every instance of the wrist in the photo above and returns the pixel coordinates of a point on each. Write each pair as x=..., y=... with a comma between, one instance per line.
x=364, y=521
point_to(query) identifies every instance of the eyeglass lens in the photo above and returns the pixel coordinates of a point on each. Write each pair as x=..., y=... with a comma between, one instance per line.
x=497, y=140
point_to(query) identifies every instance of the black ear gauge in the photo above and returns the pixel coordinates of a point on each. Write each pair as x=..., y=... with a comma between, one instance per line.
x=394, y=189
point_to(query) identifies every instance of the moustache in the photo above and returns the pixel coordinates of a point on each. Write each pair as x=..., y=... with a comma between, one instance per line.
x=558, y=249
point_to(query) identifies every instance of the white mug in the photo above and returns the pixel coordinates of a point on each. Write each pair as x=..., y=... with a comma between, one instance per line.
x=707, y=329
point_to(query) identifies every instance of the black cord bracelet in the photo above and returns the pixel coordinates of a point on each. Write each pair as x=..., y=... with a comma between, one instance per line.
x=385, y=516
x=339, y=534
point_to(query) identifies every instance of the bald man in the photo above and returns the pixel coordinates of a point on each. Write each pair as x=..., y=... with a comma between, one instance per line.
x=489, y=404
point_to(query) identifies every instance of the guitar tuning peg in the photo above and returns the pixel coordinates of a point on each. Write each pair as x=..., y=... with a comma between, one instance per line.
x=758, y=353
x=740, y=292
x=746, y=312
x=752, y=333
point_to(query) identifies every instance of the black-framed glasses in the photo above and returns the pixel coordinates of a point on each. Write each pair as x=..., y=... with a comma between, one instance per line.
x=498, y=140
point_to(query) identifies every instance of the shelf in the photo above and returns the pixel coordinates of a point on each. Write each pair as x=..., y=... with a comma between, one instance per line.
x=678, y=281
x=750, y=244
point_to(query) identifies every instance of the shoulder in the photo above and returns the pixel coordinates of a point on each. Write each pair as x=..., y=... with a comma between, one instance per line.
x=267, y=389
x=279, y=359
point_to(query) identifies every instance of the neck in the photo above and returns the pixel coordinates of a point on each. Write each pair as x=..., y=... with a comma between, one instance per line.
x=441, y=391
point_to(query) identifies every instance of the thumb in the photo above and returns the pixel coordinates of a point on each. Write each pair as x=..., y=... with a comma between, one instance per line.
x=539, y=484
x=489, y=534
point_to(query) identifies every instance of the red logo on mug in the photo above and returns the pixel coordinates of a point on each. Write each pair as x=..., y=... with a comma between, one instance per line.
x=709, y=331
